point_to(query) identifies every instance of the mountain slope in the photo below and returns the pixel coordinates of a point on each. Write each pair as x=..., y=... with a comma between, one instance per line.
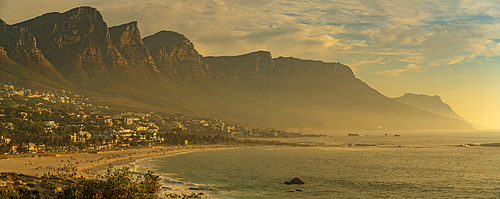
x=165, y=70
x=319, y=95
x=13, y=73
x=22, y=48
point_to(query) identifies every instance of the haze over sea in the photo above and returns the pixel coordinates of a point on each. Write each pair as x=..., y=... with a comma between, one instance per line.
x=415, y=165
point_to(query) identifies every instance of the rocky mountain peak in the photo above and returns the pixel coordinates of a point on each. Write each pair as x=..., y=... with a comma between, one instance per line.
x=85, y=12
x=77, y=43
x=168, y=37
x=414, y=96
x=260, y=54
x=126, y=34
x=127, y=39
x=175, y=56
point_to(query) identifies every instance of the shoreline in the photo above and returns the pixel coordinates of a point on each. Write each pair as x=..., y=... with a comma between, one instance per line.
x=89, y=164
x=37, y=171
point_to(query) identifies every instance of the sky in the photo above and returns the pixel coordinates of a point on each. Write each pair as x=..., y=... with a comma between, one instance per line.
x=449, y=48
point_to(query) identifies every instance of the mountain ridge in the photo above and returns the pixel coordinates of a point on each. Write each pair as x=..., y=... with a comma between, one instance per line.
x=433, y=104
x=165, y=70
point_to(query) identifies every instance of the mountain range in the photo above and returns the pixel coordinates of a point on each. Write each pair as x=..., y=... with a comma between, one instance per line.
x=77, y=51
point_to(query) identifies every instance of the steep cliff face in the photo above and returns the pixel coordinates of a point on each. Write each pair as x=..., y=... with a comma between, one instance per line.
x=308, y=70
x=260, y=67
x=176, y=57
x=77, y=43
x=127, y=39
x=257, y=68
x=21, y=47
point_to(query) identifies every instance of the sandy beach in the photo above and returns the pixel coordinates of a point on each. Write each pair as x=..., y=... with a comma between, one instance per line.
x=87, y=164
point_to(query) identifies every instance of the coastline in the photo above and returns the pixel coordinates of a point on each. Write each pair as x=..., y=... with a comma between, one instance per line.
x=88, y=164
x=36, y=171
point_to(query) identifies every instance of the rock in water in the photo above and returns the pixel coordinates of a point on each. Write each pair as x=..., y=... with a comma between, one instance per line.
x=295, y=181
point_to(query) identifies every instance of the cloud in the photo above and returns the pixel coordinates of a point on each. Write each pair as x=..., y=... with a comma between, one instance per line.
x=397, y=72
x=357, y=63
x=420, y=32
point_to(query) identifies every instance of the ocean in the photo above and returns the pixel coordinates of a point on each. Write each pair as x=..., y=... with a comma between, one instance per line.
x=373, y=165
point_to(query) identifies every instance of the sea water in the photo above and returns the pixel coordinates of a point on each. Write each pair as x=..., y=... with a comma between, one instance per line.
x=415, y=165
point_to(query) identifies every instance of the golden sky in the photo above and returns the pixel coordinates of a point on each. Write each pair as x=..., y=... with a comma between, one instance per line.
x=445, y=48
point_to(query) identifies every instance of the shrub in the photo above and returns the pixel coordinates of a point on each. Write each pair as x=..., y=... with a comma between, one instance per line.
x=117, y=183
x=19, y=192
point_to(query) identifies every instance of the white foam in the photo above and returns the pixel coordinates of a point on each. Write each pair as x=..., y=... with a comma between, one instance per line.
x=168, y=184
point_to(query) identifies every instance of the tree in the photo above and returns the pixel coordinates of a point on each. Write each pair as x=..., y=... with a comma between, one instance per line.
x=46, y=141
x=37, y=128
x=29, y=141
x=114, y=138
x=37, y=144
x=22, y=149
x=3, y=130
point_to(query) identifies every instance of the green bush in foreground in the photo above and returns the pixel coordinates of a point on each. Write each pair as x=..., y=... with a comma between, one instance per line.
x=117, y=183
x=19, y=192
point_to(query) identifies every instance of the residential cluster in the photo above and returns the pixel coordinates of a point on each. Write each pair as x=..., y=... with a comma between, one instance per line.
x=55, y=121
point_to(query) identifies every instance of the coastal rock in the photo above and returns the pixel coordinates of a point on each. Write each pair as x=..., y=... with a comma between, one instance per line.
x=295, y=181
